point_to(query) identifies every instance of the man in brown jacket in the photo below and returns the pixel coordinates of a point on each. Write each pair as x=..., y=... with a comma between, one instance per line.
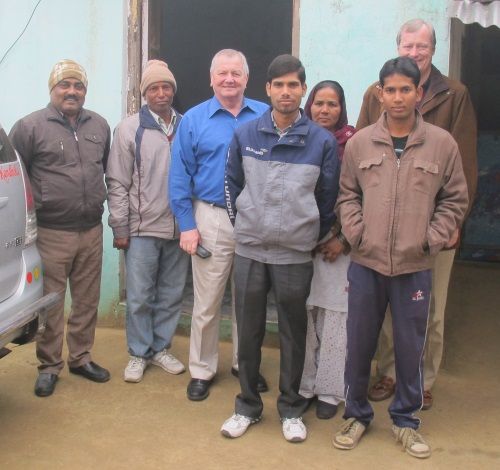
x=445, y=103
x=402, y=197
x=65, y=148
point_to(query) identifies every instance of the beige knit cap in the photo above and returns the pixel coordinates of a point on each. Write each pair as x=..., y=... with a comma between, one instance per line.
x=67, y=68
x=156, y=71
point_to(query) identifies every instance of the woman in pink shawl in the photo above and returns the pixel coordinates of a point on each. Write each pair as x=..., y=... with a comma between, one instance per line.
x=323, y=375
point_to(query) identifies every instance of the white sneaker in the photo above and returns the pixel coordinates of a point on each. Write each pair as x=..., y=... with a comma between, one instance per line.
x=135, y=369
x=294, y=429
x=168, y=362
x=237, y=425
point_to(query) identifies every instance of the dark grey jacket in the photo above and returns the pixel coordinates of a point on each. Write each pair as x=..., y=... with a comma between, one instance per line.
x=66, y=166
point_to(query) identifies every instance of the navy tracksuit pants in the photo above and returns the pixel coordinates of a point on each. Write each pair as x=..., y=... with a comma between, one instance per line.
x=369, y=294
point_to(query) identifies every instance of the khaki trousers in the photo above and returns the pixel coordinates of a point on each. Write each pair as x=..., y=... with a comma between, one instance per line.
x=210, y=277
x=433, y=352
x=77, y=257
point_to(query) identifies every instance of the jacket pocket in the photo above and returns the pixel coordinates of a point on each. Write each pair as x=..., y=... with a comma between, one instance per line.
x=371, y=169
x=96, y=150
x=425, y=174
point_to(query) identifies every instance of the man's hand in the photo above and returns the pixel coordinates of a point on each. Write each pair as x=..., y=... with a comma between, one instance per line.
x=189, y=241
x=454, y=241
x=121, y=243
x=331, y=249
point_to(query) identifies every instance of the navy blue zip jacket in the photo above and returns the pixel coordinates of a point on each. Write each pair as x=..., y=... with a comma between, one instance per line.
x=280, y=192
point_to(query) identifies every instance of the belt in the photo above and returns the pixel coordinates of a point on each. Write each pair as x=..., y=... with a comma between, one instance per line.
x=215, y=204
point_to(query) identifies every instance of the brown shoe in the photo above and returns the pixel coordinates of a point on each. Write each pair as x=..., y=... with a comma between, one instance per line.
x=427, y=404
x=382, y=389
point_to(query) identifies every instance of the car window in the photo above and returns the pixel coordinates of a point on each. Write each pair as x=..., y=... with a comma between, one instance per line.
x=7, y=153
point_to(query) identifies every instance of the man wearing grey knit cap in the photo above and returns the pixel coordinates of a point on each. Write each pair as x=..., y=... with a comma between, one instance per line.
x=65, y=148
x=144, y=226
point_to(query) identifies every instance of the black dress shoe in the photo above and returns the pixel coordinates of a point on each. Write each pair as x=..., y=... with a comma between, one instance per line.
x=325, y=410
x=309, y=402
x=91, y=371
x=45, y=384
x=197, y=389
x=262, y=386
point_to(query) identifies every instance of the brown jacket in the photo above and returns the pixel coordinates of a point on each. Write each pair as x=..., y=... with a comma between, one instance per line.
x=66, y=166
x=446, y=104
x=398, y=215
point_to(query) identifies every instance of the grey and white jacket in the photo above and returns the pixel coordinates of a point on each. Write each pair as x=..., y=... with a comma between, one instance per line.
x=137, y=176
x=280, y=191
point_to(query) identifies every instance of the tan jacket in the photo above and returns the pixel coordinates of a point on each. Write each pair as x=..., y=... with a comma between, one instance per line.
x=446, y=104
x=398, y=215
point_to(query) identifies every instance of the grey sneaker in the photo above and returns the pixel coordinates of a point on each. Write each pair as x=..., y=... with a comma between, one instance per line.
x=135, y=369
x=237, y=425
x=294, y=429
x=168, y=362
x=349, y=434
x=413, y=443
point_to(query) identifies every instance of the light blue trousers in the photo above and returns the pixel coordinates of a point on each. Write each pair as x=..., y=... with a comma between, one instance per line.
x=156, y=275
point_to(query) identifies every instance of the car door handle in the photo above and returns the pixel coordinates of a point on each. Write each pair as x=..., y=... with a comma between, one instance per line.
x=3, y=201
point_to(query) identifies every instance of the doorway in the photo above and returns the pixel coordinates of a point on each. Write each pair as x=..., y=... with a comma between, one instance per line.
x=476, y=62
x=187, y=33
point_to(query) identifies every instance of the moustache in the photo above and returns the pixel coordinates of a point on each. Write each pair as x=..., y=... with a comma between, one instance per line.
x=71, y=97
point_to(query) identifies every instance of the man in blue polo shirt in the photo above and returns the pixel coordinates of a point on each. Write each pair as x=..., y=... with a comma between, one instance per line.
x=197, y=200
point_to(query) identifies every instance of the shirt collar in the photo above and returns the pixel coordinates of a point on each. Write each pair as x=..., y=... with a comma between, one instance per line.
x=283, y=132
x=168, y=129
x=215, y=106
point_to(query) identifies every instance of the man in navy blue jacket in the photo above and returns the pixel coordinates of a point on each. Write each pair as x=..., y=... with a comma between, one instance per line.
x=281, y=184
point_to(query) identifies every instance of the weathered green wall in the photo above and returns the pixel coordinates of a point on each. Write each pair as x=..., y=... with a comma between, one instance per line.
x=88, y=31
x=349, y=40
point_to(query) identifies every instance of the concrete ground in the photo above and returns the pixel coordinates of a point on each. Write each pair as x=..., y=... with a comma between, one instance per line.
x=152, y=425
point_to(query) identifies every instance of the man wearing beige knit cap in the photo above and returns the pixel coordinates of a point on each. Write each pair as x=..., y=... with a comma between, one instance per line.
x=65, y=148
x=144, y=226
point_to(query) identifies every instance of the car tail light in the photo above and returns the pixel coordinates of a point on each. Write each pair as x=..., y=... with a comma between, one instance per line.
x=31, y=230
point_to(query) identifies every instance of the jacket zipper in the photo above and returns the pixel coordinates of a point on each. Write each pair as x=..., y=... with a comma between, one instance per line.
x=393, y=238
x=84, y=195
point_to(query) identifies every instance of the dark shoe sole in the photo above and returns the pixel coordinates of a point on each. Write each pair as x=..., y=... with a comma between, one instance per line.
x=326, y=415
x=198, y=397
x=90, y=377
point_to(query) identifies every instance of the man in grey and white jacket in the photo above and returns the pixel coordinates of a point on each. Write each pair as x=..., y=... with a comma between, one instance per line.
x=144, y=226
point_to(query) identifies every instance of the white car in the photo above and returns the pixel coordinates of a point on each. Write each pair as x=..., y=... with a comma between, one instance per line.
x=23, y=308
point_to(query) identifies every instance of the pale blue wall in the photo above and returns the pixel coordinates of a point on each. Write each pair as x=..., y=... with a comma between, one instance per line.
x=349, y=40
x=88, y=31
x=344, y=40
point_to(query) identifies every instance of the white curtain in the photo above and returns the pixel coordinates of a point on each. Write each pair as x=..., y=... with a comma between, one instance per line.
x=486, y=13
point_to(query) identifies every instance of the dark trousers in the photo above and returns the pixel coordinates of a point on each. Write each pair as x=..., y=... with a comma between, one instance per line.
x=291, y=284
x=369, y=294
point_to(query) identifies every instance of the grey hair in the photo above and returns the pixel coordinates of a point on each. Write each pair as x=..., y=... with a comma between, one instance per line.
x=415, y=25
x=230, y=53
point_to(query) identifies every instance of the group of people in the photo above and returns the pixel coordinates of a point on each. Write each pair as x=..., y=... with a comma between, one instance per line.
x=341, y=223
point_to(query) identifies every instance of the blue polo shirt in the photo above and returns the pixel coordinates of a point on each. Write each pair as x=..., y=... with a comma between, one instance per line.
x=199, y=155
